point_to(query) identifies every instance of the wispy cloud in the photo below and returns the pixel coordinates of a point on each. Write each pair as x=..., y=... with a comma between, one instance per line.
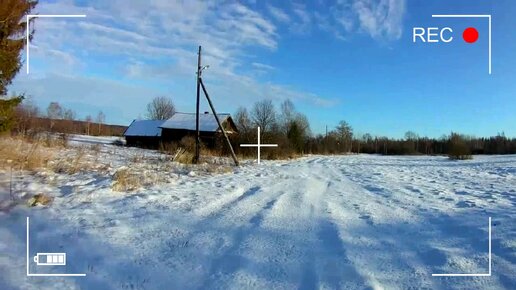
x=262, y=66
x=380, y=18
x=303, y=23
x=157, y=41
x=278, y=14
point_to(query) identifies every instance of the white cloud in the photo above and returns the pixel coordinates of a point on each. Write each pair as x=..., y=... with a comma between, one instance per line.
x=262, y=66
x=382, y=19
x=153, y=41
x=157, y=41
x=88, y=95
x=278, y=14
x=303, y=23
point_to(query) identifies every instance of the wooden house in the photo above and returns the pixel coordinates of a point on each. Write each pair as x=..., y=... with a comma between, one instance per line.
x=152, y=133
x=183, y=124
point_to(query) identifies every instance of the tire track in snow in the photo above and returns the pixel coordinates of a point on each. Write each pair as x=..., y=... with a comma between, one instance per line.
x=349, y=211
x=244, y=216
x=305, y=251
x=332, y=265
x=283, y=233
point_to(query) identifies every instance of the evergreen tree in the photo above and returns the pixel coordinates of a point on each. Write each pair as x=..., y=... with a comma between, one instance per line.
x=12, y=38
x=12, y=42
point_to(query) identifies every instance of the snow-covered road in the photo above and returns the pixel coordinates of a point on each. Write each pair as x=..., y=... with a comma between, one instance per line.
x=350, y=222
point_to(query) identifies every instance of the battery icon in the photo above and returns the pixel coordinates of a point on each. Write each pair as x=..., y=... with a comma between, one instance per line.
x=50, y=259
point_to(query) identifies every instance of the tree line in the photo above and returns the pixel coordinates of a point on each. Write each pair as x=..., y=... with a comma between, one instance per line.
x=29, y=119
x=290, y=129
x=286, y=127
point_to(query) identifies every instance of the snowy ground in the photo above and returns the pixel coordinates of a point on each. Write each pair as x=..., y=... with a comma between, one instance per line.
x=350, y=222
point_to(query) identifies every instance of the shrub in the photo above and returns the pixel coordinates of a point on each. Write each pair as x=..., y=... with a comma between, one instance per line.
x=7, y=110
x=458, y=149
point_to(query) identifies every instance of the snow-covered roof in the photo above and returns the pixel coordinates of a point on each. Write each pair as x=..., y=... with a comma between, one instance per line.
x=186, y=121
x=148, y=128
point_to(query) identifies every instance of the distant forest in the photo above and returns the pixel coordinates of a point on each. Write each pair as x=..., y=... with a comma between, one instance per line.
x=291, y=130
x=29, y=119
x=284, y=126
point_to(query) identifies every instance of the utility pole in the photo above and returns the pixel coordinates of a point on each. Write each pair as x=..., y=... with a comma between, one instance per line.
x=197, y=132
x=200, y=84
x=218, y=122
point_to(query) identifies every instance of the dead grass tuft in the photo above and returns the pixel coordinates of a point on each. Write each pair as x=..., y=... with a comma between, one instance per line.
x=183, y=151
x=184, y=157
x=39, y=199
x=125, y=180
x=219, y=169
x=70, y=165
x=23, y=155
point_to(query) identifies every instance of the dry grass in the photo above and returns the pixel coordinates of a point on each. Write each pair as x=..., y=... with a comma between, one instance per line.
x=39, y=199
x=136, y=169
x=23, y=155
x=71, y=165
x=219, y=169
x=38, y=154
x=183, y=151
x=185, y=157
x=125, y=180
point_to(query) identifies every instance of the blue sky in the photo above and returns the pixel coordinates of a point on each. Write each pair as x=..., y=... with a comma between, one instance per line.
x=350, y=60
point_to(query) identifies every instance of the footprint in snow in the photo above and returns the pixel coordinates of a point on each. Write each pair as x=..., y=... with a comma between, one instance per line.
x=462, y=193
x=367, y=219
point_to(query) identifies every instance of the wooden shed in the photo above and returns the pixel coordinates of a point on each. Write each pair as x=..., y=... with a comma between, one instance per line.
x=152, y=133
x=183, y=124
x=144, y=133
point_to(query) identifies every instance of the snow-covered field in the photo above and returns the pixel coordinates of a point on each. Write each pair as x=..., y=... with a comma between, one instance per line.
x=348, y=222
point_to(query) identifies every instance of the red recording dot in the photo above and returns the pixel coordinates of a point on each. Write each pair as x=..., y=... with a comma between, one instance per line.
x=470, y=35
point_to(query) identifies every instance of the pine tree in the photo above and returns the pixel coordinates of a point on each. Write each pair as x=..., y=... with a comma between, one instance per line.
x=12, y=42
x=7, y=116
x=12, y=38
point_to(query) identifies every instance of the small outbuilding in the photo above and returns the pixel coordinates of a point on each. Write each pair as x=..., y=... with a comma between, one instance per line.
x=181, y=125
x=144, y=133
x=152, y=133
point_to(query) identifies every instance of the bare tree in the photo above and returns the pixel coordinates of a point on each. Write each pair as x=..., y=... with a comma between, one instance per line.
x=264, y=115
x=412, y=138
x=242, y=119
x=54, y=112
x=100, y=120
x=345, y=133
x=69, y=115
x=88, y=120
x=288, y=114
x=160, y=108
x=303, y=124
x=26, y=113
